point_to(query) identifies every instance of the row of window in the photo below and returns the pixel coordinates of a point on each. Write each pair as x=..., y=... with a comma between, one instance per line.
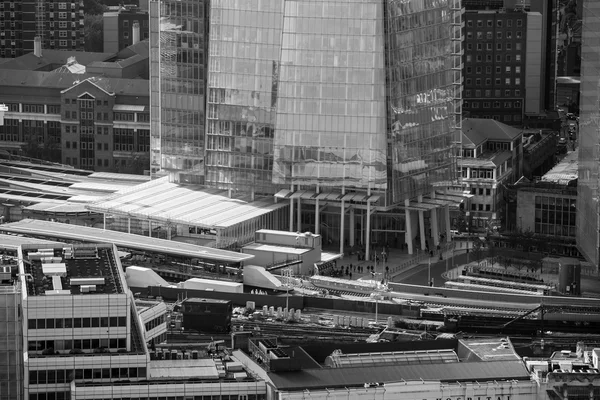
x=498, y=81
x=77, y=345
x=197, y=397
x=488, y=92
x=490, y=23
x=488, y=69
x=489, y=35
x=555, y=203
x=74, y=101
x=489, y=58
x=50, y=395
x=502, y=117
x=490, y=47
x=89, y=162
x=481, y=207
x=58, y=323
x=67, y=375
x=488, y=104
x=155, y=322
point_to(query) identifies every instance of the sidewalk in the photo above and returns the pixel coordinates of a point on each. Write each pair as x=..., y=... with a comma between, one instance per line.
x=399, y=261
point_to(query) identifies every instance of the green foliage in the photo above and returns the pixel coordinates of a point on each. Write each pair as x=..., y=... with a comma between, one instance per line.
x=47, y=151
x=93, y=30
x=93, y=7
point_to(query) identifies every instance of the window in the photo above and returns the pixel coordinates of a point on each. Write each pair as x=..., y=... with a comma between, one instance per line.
x=62, y=43
x=488, y=69
x=488, y=46
x=479, y=23
x=469, y=46
x=475, y=104
x=479, y=58
x=518, y=69
x=125, y=24
x=508, y=104
x=479, y=70
x=62, y=15
x=519, y=35
x=508, y=46
x=517, y=92
x=509, y=23
x=479, y=46
x=498, y=81
x=489, y=35
x=470, y=24
x=488, y=81
x=468, y=93
x=507, y=93
x=486, y=104
x=478, y=93
x=518, y=57
x=517, y=81
x=469, y=58
x=469, y=35
x=499, y=24
x=62, y=6
x=498, y=46
x=498, y=35
x=126, y=35
x=498, y=58
x=62, y=33
x=496, y=104
x=62, y=25
x=497, y=93
x=498, y=69
x=508, y=58
x=517, y=104
x=507, y=118
x=507, y=69
x=509, y=35
x=478, y=81
x=488, y=93
x=490, y=23
x=488, y=58
x=469, y=70
x=519, y=23
x=518, y=46
x=507, y=81
x=487, y=207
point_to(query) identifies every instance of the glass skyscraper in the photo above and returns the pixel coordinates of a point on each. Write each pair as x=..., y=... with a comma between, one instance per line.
x=318, y=96
x=588, y=212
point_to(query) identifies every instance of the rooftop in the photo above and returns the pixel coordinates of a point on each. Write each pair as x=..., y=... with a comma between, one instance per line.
x=565, y=171
x=476, y=131
x=487, y=160
x=164, y=201
x=72, y=269
x=312, y=379
x=52, y=59
x=488, y=349
x=121, y=239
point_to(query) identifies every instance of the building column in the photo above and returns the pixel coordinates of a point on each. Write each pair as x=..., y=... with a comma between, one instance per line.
x=368, y=232
x=292, y=210
x=299, y=215
x=104, y=224
x=351, y=226
x=422, y=229
x=128, y=224
x=317, y=222
x=434, y=226
x=149, y=228
x=342, y=215
x=408, y=236
x=447, y=215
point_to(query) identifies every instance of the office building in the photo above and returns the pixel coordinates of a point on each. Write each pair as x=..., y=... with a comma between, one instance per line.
x=335, y=106
x=588, y=221
x=11, y=344
x=492, y=157
x=87, y=110
x=503, y=65
x=86, y=338
x=58, y=23
x=124, y=27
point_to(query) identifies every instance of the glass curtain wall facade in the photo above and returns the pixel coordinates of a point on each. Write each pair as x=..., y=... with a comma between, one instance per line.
x=330, y=94
x=331, y=111
x=423, y=91
x=588, y=217
x=244, y=50
x=179, y=44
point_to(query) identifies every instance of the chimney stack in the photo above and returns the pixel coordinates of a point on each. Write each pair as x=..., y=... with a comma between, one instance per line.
x=37, y=46
x=136, y=32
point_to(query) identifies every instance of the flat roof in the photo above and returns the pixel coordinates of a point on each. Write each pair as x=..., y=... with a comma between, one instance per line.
x=565, y=171
x=490, y=349
x=275, y=248
x=183, y=369
x=164, y=201
x=98, y=267
x=120, y=239
x=322, y=378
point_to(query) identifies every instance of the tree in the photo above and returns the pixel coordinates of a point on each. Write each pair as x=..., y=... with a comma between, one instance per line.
x=93, y=33
x=93, y=7
x=47, y=151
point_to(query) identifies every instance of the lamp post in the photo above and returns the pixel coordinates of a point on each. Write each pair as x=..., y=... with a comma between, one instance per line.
x=376, y=295
x=429, y=272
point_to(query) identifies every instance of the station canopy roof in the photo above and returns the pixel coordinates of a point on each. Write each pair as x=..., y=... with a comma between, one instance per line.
x=60, y=231
x=163, y=201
